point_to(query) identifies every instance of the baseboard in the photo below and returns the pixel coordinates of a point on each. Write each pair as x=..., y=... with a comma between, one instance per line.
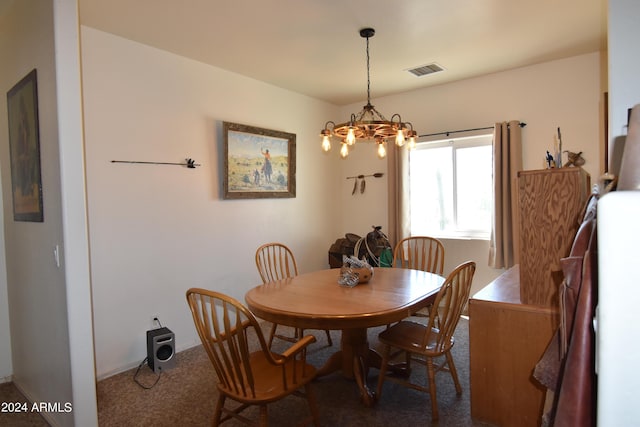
x=6, y=379
x=103, y=376
x=47, y=416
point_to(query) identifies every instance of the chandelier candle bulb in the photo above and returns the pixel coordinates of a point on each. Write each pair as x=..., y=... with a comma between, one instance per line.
x=344, y=150
x=382, y=152
x=326, y=143
x=368, y=124
x=412, y=144
x=351, y=136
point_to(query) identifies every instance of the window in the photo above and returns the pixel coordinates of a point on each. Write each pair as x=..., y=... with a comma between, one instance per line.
x=451, y=187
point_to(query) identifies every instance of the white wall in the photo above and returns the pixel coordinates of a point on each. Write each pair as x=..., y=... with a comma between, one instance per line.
x=566, y=93
x=75, y=256
x=155, y=231
x=624, y=63
x=6, y=79
x=36, y=287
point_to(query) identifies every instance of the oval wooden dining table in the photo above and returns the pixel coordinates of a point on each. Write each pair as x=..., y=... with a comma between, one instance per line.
x=316, y=301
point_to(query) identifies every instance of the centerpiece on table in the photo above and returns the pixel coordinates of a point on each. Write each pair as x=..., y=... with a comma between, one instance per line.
x=354, y=271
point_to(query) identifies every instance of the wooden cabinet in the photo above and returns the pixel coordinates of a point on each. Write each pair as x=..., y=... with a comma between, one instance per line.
x=551, y=204
x=512, y=320
x=506, y=340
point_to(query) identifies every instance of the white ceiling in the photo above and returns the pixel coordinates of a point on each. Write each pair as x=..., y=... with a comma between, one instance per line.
x=313, y=46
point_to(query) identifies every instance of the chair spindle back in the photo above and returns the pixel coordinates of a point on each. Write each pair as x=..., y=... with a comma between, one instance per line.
x=223, y=325
x=447, y=308
x=420, y=253
x=275, y=261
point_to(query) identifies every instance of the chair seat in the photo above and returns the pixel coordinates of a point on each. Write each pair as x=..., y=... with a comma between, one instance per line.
x=268, y=379
x=408, y=335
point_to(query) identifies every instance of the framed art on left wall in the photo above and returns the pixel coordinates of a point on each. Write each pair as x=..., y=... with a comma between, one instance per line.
x=24, y=147
x=258, y=163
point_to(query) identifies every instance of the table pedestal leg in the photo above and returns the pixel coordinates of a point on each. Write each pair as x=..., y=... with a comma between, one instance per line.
x=334, y=363
x=354, y=359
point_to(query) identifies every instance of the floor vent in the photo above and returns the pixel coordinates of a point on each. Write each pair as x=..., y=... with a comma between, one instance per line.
x=423, y=70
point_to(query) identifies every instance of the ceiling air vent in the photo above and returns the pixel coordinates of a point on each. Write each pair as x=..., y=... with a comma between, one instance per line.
x=423, y=70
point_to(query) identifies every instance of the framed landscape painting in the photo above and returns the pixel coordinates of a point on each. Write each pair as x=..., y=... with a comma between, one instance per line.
x=24, y=147
x=258, y=163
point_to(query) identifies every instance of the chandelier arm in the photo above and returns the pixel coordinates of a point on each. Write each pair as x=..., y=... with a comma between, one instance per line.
x=330, y=122
x=399, y=118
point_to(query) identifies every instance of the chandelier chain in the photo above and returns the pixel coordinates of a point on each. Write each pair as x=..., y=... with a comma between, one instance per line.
x=368, y=76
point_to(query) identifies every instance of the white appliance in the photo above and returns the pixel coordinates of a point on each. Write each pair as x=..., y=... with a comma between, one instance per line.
x=617, y=317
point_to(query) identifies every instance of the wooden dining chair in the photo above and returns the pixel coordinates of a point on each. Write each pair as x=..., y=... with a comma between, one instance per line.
x=275, y=261
x=420, y=253
x=246, y=375
x=424, y=343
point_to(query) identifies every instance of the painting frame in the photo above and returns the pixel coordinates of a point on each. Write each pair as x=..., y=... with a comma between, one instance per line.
x=24, y=147
x=259, y=163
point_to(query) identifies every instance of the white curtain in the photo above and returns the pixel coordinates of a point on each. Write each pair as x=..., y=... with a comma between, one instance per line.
x=507, y=161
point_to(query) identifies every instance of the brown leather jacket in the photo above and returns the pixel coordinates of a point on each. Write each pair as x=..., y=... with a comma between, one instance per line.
x=568, y=365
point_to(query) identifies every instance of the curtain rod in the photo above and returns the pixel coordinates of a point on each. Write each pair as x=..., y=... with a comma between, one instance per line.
x=447, y=133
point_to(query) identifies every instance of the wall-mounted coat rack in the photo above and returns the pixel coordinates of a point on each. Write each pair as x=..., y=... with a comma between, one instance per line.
x=190, y=163
x=363, y=183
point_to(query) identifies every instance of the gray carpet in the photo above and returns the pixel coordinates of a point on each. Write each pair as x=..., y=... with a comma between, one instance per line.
x=186, y=394
x=9, y=394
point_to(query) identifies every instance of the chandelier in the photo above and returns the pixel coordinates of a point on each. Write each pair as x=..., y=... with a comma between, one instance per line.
x=368, y=124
